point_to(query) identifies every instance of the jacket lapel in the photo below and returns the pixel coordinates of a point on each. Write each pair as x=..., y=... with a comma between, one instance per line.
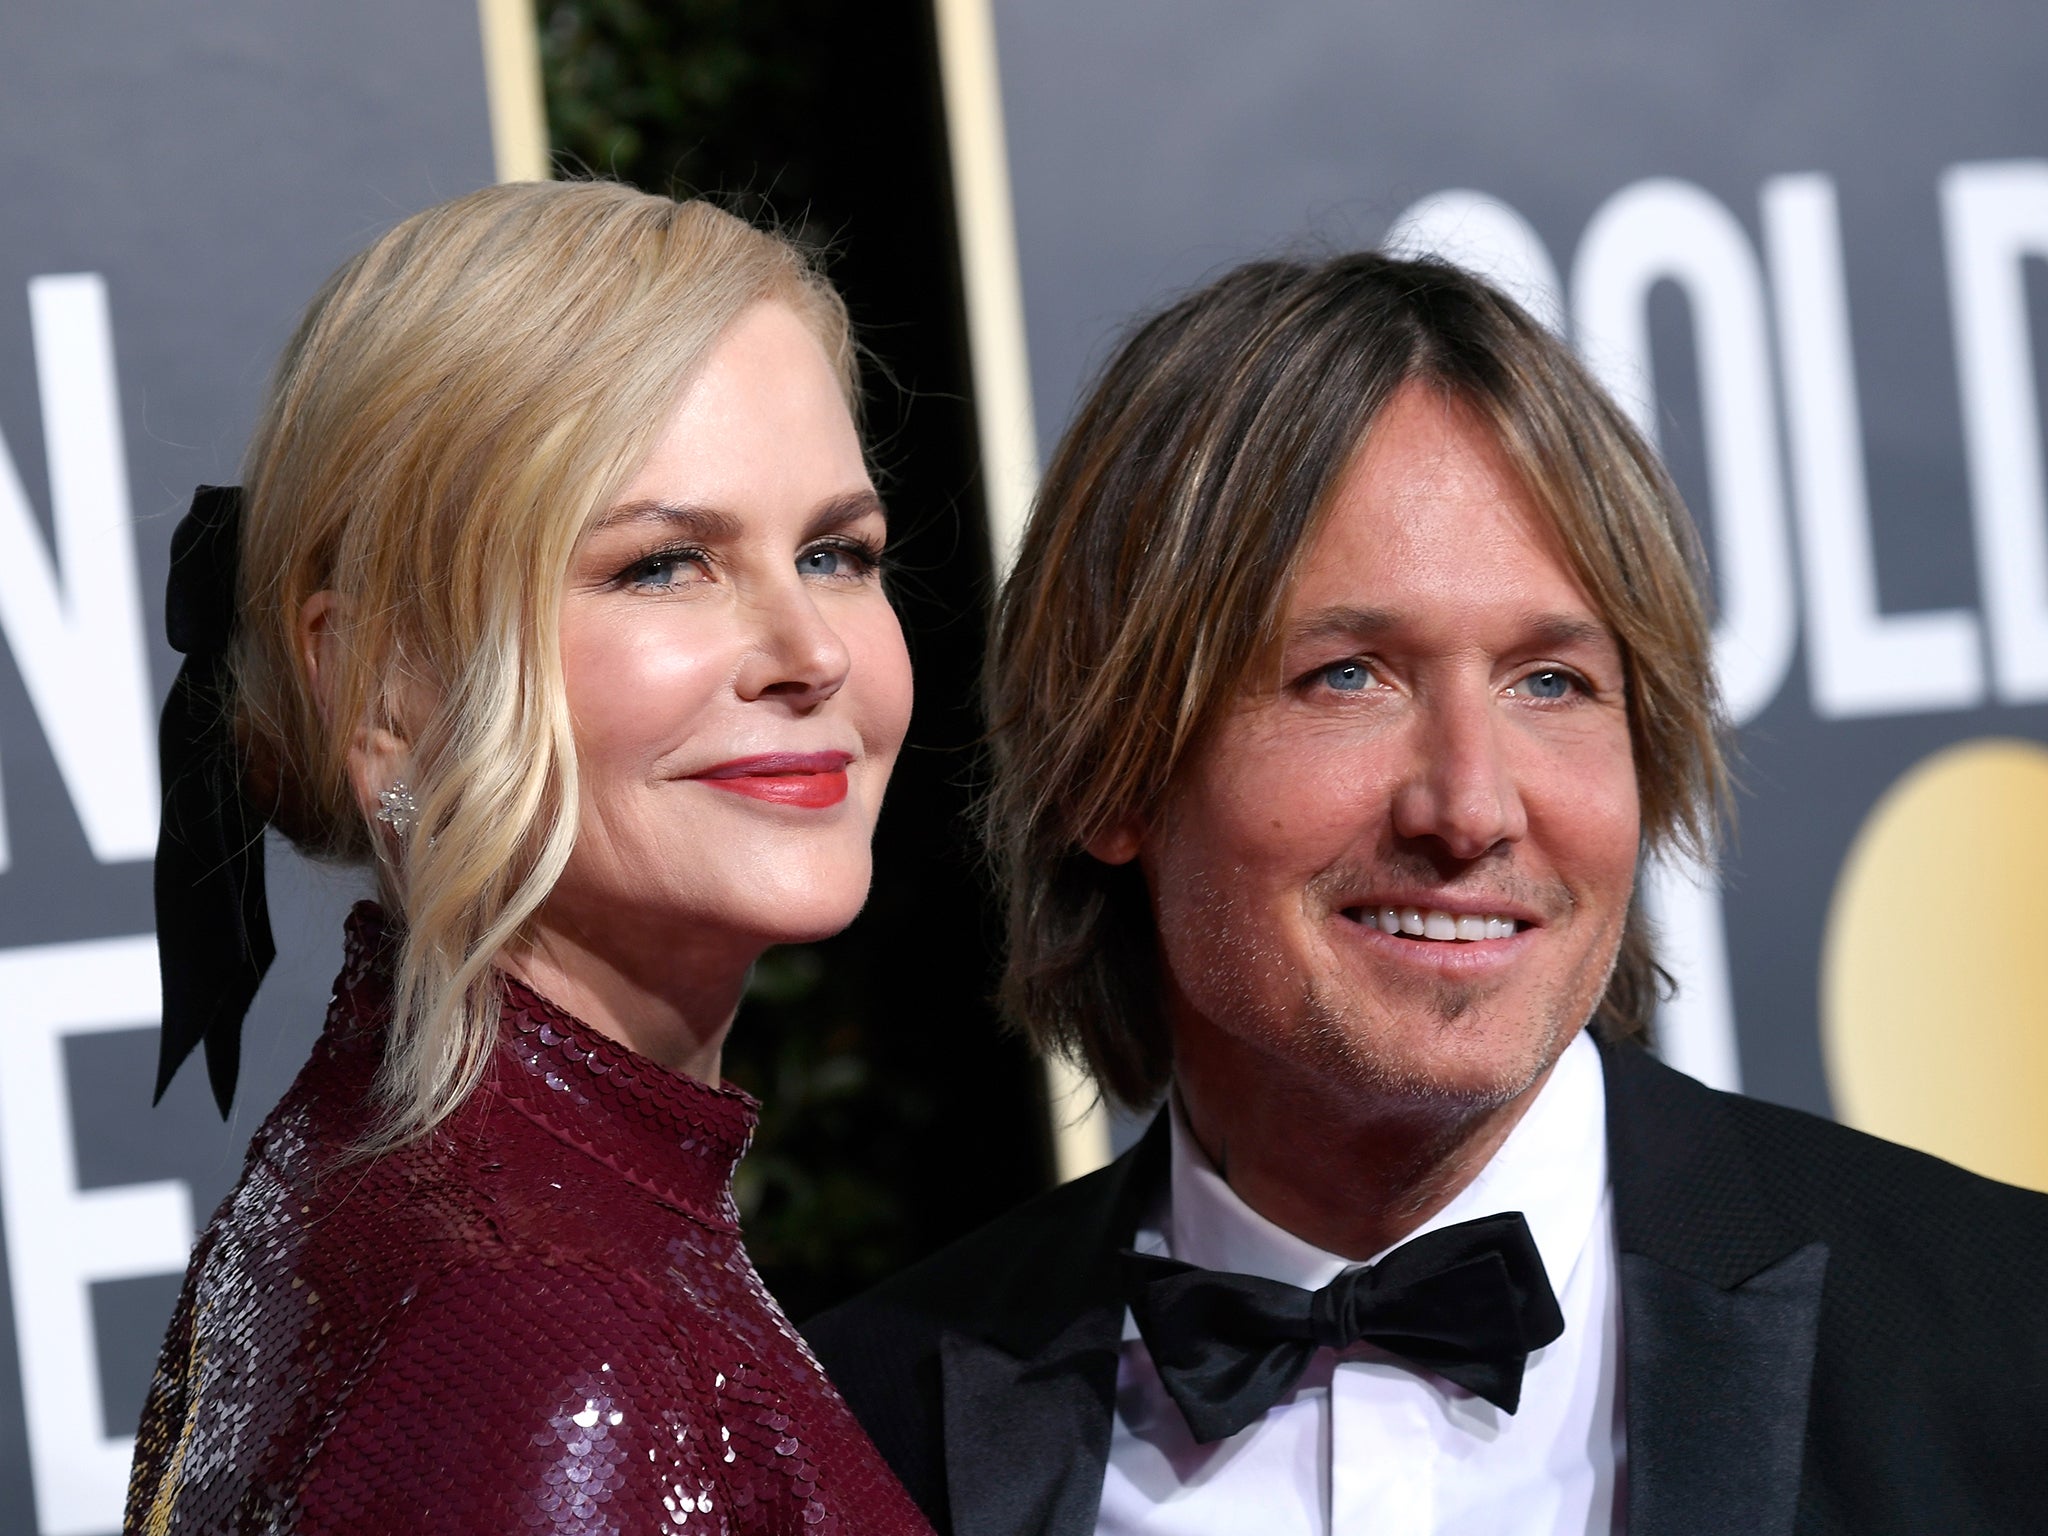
x=1721, y=1302
x=1027, y=1440
x=1029, y=1397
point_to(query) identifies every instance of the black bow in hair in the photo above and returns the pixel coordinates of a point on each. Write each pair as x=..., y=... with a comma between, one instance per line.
x=212, y=921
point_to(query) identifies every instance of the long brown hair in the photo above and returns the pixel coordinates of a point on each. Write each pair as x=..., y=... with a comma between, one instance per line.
x=1160, y=557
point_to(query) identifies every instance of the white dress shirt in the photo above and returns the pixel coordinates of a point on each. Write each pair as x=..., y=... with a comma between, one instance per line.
x=1366, y=1443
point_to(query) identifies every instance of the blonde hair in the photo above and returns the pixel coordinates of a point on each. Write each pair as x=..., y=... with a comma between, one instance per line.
x=1160, y=556
x=459, y=401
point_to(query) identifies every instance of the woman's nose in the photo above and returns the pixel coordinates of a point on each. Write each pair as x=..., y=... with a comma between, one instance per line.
x=796, y=654
x=1460, y=790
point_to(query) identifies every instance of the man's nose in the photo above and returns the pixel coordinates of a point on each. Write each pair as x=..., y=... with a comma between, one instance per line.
x=1461, y=789
x=796, y=654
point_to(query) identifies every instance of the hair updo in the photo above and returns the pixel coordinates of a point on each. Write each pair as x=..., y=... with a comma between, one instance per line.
x=458, y=403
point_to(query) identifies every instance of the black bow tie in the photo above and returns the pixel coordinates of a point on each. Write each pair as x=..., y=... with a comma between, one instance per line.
x=1468, y=1302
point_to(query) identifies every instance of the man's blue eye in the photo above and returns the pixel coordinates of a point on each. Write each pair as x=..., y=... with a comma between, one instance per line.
x=1349, y=676
x=1545, y=685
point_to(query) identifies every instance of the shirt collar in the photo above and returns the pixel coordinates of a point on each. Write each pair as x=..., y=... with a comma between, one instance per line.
x=1552, y=1168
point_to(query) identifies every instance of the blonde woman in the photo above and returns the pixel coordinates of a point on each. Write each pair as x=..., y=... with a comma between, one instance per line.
x=553, y=595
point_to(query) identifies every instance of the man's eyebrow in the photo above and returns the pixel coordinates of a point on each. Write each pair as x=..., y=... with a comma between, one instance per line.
x=1342, y=622
x=1364, y=625
x=1562, y=630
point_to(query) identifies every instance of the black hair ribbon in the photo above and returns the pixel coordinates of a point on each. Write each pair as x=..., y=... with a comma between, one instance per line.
x=212, y=919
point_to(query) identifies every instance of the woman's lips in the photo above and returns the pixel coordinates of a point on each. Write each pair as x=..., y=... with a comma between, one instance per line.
x=809, y=780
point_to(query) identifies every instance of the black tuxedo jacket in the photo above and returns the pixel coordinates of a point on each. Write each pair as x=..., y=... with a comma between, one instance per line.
x=1821, y=1332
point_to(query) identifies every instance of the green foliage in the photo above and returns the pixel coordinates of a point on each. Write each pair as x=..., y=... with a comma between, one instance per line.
x=811, y=1206
x=684, y=95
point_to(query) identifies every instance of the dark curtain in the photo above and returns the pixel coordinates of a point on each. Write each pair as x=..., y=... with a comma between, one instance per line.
x=897, y=1114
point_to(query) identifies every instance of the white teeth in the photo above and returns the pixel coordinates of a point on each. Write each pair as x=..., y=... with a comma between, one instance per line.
x=1423, y=923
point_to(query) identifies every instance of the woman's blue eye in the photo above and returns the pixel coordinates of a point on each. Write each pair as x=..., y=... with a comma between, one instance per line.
x=838, y=560
x=660, y=571
x=823, y=562
x=1349, y=676
x=1548, y=684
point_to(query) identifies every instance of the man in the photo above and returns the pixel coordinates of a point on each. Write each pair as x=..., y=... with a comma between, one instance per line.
x=1353, y=665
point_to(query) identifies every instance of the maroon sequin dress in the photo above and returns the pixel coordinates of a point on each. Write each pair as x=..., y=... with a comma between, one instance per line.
x=540, y=1318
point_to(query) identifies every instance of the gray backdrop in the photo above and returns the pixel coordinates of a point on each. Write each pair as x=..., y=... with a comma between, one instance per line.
x=1782, y=165
x=207, y=163
x=175, y=181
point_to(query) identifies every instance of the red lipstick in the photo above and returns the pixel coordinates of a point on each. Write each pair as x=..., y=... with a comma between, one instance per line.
x=808, y=780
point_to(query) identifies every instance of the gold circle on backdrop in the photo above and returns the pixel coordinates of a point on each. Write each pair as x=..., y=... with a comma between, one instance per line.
x=1934, y=970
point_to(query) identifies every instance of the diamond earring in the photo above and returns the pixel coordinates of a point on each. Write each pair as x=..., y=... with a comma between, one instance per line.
x=396, y=807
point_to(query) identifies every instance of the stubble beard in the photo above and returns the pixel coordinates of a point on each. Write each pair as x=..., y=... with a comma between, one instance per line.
x=1364, y=1049
x=1351, y=1051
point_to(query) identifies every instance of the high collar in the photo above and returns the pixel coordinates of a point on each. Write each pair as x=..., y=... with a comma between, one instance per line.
x=676, y=1137
x=1552, y=1167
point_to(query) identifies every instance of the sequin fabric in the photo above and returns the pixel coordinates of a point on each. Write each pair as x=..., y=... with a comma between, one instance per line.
x=540, y=1318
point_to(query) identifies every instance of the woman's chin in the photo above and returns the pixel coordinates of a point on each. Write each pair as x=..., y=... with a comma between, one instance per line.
x=800, y=913
x=793, y=929
x=747, y=908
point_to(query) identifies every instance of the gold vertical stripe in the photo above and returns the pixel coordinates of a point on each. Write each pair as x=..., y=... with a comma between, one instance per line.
x=1080, y=1122
x=988, y=259
x=987, y=233
x=519, y=121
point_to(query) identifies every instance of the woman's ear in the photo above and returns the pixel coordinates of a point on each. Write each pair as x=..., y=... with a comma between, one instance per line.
x=317, y=639
x=377, y=756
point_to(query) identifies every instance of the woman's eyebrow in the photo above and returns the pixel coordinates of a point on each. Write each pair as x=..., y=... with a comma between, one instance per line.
x=689, y=520
x=686, y=519
x=838, y=511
